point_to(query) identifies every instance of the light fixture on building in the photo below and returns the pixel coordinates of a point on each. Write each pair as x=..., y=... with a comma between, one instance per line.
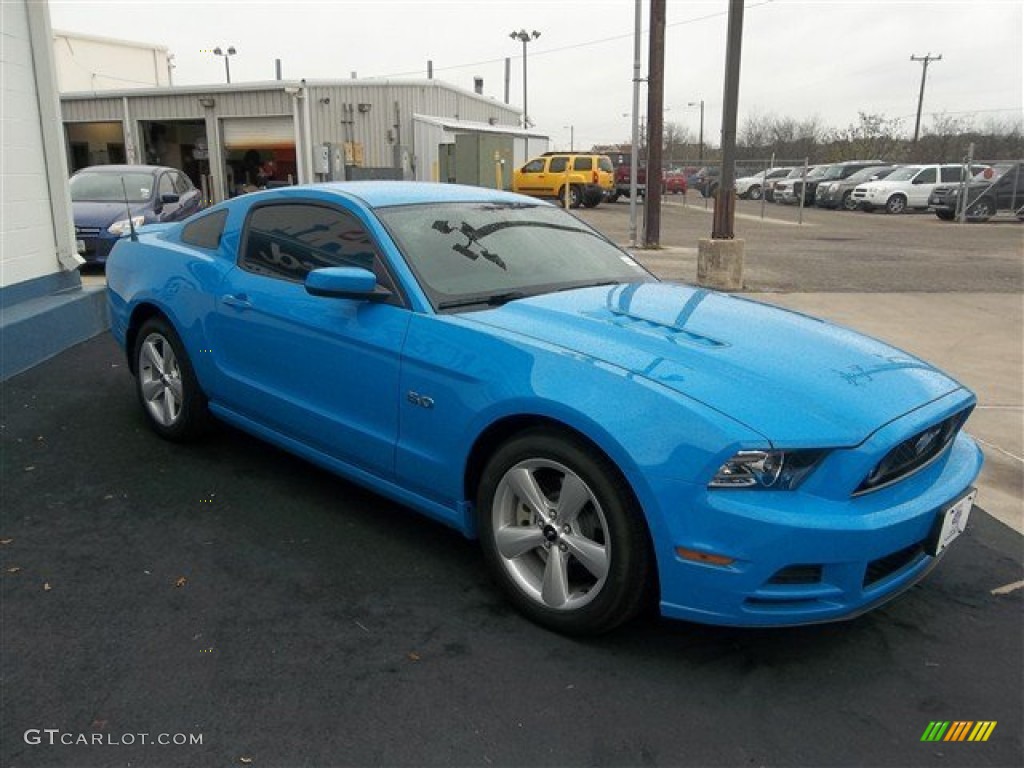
x=207, y=101
x=364, y=107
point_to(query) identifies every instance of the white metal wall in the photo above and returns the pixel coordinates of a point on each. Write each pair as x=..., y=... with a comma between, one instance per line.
x=35, y=222
x=87, y=63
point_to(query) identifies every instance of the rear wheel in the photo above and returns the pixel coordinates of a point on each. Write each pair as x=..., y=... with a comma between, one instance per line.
x=896, y=204
x=562, y=534
x=174, y=405
x=945, y=215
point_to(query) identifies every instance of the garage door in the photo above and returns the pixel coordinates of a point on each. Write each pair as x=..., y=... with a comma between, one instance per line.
x=258, y=132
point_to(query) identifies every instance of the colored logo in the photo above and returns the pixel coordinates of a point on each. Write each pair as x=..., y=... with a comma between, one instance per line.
x=959, y=730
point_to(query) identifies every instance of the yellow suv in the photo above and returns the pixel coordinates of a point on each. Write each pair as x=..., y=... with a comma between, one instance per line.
x=590, y=178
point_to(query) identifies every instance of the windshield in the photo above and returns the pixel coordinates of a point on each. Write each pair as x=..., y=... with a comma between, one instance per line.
x=832, y=172
x=866, y=174
x=106, y=187
x=904, y=174
x=466, y=254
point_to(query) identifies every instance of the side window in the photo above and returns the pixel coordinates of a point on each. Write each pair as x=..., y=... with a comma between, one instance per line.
x=583, y=164
x=558, y=164
x=182, y=185
x=288, y=240
x=534, y=166
x=950, y=173
x=927, y=176
x=205, y=231
x=605, y=165
x=166, y=185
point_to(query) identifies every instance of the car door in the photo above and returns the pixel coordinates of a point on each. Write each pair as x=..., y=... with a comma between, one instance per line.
x=190, y=197
x=532, y=177
x=921, y=187
x=322, y=371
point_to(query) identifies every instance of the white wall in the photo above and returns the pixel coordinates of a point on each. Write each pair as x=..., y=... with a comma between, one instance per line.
x=87, y=63
x=32, y=237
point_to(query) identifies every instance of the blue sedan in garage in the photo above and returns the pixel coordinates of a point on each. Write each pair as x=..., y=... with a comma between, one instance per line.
x=613, y=441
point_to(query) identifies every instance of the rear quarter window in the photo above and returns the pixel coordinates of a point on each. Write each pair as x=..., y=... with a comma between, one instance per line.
x=583, y=163
x=205, y=231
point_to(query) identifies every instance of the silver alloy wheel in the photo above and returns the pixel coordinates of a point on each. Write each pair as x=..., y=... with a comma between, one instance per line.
x=551, y=534
x=160, y=380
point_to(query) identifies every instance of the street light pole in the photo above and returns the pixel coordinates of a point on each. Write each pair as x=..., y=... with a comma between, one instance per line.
x=700, y=140
x=525, y=37
x=227, y=59
x=572, y=132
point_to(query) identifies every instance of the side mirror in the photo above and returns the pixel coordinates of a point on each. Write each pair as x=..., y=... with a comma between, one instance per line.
x=345, y=283
x=169, y=198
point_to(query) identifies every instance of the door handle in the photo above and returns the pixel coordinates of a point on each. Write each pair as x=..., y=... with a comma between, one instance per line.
x=238, y=302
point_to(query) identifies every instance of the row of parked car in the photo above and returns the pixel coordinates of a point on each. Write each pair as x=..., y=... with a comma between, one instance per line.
x=869, y=185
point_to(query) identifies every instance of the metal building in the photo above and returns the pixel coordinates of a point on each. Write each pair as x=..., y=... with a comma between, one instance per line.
x=232, y=138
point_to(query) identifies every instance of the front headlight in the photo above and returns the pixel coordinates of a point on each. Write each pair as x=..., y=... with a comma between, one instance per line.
x=121, y=227
x=833, y=187
x=766, y=470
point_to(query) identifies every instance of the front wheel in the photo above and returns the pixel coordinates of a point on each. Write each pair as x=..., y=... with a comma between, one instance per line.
x=575, y=196
x=945, y=215
x=754, y=193
x=849, y=204
x=174, y=405
x=896, y=204
x=983, y=210
x=563, y=534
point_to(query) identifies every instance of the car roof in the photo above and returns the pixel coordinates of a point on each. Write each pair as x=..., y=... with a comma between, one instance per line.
x=124, y=168
x=381, y=194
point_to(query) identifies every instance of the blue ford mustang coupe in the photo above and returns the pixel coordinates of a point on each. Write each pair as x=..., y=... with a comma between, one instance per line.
x=492, y=362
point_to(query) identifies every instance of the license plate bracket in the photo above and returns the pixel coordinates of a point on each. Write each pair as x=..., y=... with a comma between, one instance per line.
x=951, y=522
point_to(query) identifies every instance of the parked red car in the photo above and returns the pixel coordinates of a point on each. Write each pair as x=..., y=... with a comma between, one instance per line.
x=674, y=182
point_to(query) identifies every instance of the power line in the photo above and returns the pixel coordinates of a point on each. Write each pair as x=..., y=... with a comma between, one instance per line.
x=574, y=46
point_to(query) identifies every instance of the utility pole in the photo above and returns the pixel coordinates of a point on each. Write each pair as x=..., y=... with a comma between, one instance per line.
x=925, y=61
x=634, y=148
x=655, y=125
x=725, y=200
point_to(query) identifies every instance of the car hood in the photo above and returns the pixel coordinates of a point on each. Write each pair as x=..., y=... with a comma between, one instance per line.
x=797, y=380
x=90, y=214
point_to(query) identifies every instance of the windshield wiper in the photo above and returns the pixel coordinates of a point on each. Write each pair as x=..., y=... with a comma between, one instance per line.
x=489, y=299
x=594, y=284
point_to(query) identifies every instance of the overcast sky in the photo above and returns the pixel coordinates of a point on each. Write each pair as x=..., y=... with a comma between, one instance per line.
x=828, y=59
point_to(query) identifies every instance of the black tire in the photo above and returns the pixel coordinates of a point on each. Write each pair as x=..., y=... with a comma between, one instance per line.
x=896, y=204
x=613, y=197
x=168, y=391
x=754, y=193
x=946, y=215
x=533, y=548
x=981, y=210
x=848, y=203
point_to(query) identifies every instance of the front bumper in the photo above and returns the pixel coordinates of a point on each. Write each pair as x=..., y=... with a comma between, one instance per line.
x=97, y=247
x=806, y=556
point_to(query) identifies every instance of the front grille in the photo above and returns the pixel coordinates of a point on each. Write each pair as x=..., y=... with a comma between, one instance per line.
x=87, y=231
x=913, y=454
x=886, y=566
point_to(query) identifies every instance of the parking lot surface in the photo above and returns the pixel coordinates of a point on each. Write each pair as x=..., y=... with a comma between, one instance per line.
x=229, y=591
